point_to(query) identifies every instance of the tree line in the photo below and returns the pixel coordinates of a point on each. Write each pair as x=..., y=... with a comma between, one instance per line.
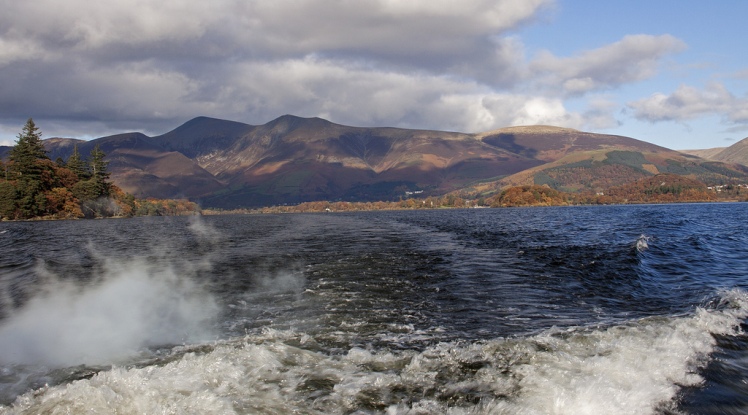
x=661, y=188
x=33, y=186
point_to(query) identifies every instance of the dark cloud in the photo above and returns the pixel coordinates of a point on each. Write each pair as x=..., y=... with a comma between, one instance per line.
x=83, y=69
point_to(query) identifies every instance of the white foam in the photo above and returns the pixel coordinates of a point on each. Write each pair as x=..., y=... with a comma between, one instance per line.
x=626, y=369
x=642, y=243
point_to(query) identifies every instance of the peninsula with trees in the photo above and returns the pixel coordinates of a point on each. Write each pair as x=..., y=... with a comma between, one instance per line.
x=35, y=187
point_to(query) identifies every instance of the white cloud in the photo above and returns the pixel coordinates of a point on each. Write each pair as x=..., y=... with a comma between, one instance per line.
x=633, y=58
x=600, y=116
x=511, y=110
x=12, y=50
x=364, y=96
x=357, y=94
x=687, y=103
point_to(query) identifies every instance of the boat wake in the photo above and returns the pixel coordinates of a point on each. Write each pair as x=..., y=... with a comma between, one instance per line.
x=634, y=368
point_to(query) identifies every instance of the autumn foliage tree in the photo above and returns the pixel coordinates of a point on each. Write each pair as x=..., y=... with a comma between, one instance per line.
x=33, y=186
x=662, y=188
x=533, y=195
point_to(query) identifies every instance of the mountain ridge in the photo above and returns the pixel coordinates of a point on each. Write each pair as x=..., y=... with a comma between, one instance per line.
x=292, y=159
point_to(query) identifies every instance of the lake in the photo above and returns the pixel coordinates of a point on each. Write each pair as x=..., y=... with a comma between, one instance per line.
x=562, y=310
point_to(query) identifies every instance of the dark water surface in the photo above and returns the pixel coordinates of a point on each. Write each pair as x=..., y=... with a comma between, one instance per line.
x=579, y=310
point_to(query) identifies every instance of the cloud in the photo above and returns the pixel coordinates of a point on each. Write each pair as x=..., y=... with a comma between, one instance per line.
x=383, y=29
x=13, y=50
x=633, y=58
x=600, y=116
x=364, y=96
x=741, y=74
x=688, y=103
x=149, y=64
x=140, y=65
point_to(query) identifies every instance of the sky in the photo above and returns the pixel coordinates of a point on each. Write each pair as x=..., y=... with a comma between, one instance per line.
x=670, y=72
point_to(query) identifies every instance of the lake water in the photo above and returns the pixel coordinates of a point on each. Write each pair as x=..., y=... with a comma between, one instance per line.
x=573, y=310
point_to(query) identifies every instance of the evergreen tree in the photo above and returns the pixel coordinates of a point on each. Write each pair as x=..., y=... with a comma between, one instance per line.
x=76, y=164
x=99, y=173
x=8, y=196
x=90, y=191
x=28, y=150
x=30, y=199
x=27, y=158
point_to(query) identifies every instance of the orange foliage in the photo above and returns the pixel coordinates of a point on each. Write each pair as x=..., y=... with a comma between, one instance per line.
x=662, y=188
x=530, y=196
x=61, y=204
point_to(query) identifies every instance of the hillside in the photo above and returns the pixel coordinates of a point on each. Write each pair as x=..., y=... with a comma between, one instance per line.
x=599, y=170
x=549, y=143
x=228, y=164
x=296, y=159
x=736, y=153
x=707, y=153
x=585, y=162
x=143, y=168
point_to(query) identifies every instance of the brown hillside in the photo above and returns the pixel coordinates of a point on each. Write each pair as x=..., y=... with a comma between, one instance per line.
x=736, y=153
x=142, y=168
x=707, y=153
x=292, y=159
x=600, y=170
x=553, y=143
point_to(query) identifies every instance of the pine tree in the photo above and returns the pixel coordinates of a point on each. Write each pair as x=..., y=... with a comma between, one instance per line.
x=76, y=164
x=8, y=196
x=27, y=165
x=28, y=150
x=99, y=173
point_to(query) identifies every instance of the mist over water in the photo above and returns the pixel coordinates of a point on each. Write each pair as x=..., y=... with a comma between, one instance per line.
x=616, y=310
x=133, y=305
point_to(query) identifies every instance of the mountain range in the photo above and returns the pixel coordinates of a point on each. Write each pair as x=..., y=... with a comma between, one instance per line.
x=227, y=164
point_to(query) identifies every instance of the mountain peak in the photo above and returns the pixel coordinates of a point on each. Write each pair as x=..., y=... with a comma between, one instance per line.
x=535, y=129
x=286, y=123
x=289, y=118
x=204, y=125
x=200, y=128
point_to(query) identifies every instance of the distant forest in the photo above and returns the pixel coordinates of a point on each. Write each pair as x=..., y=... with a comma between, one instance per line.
x=661, y=188
x=35, y=187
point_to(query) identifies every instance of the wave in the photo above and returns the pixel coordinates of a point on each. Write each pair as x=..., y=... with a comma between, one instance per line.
x=642, y=243
x=633, y=368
